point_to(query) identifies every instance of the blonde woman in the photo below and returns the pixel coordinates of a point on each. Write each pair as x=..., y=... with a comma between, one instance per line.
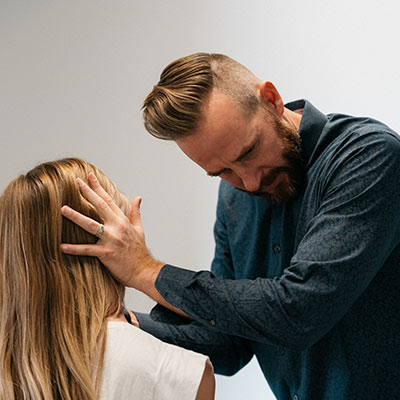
x=63, y=333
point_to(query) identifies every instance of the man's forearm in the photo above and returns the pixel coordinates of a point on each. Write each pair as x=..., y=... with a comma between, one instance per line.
x=227, y=353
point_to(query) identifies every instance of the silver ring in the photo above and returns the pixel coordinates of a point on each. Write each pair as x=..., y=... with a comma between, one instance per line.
x=100, y=231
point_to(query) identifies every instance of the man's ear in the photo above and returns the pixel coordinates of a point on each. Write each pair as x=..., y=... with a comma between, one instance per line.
x=268, y=93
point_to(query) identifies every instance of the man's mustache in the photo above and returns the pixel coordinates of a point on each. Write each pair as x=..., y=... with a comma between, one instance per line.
x=267, y=180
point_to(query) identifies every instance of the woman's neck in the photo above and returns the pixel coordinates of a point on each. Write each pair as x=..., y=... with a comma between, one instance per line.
x=121, y=318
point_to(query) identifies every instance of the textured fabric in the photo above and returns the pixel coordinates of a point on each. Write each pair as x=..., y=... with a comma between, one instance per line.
x=139, y=366
x=311, y=287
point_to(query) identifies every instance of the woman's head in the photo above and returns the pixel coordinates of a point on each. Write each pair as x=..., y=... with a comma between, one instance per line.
x=53, y=306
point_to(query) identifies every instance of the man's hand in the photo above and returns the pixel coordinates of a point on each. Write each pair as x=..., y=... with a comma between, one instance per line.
x=121, y=247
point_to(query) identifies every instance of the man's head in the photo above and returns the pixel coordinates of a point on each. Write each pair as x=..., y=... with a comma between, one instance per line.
x=229, y=122
x=176, y=104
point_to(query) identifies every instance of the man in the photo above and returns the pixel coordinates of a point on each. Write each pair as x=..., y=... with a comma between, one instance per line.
x=305, y=273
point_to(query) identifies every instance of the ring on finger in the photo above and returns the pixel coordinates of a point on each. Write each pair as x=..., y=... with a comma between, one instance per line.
x=100, y=231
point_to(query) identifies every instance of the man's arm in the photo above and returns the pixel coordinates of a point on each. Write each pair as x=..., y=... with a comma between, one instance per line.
x=354, y=230
x=334, y=262
x=227, y=353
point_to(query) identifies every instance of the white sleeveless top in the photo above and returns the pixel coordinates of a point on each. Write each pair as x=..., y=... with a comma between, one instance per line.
x=139, y=366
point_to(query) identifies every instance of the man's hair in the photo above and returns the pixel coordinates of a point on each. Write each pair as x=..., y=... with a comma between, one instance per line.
x=53, y=306
x=176, y=104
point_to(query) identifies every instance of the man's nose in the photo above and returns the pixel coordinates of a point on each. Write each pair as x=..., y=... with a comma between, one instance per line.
x=251, y=181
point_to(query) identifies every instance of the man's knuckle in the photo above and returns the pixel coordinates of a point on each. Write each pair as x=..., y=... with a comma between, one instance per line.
x=68, y=251
x=119, y=242
x=82, y=250
x=103, y=204
x=123, y=228
x=94, y=226
x=109, y=252
x=72, y=251
x=107, y=198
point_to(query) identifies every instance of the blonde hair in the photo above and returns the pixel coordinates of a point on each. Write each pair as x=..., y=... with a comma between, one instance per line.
x=176, y=104
x=53, y=306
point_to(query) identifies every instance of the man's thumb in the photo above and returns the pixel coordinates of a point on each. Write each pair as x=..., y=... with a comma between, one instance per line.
x=134, y=215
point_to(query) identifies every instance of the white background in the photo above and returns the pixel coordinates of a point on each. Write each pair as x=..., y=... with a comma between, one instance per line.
x=73, y=75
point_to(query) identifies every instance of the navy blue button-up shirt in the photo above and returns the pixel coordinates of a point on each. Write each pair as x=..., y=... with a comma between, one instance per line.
x=311, y=287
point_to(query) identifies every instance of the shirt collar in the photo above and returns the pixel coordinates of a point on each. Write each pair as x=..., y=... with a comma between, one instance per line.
x=312, y=124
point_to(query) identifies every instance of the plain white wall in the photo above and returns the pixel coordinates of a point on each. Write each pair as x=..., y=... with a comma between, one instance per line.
x=73, y=75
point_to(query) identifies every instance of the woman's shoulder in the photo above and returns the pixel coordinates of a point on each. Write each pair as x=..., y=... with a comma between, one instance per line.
x=140, y=362
x=126, y=340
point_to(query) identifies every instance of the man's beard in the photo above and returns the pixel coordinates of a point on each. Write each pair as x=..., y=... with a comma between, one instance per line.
x=291, y=174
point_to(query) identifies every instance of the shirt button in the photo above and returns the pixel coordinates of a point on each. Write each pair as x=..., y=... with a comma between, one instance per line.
x=295, y=397
x=212, y=322
x=276, y=248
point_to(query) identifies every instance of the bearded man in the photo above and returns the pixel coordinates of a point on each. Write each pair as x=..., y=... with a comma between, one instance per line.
x=305, y=273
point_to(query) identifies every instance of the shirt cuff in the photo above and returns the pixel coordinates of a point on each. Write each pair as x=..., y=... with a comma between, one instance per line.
x=147, y=324
x=183, y=289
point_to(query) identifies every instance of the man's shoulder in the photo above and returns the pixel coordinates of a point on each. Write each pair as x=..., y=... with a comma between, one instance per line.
x=357, y=136
x=366, y=128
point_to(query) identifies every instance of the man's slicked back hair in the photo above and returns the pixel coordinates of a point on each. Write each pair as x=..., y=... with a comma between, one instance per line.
x=176, y=104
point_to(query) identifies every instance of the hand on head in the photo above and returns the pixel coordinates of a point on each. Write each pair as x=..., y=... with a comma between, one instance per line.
x=121, y=246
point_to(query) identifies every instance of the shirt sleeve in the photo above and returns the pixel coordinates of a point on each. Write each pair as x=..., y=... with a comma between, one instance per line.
x=227, y=353
x=345, y=244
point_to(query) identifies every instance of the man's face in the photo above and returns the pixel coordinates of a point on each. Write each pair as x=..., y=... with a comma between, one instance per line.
x=259, y=155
